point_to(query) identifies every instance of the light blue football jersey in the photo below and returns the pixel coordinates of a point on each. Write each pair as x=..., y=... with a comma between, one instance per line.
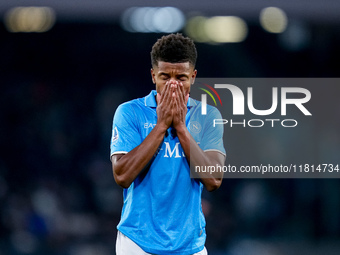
x=162, y=210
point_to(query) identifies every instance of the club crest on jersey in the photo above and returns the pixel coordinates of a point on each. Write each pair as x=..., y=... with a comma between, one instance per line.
x=114, y=135
x=195, y=127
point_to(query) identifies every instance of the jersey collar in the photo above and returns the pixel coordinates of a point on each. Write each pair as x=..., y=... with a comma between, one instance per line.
x=150, y=100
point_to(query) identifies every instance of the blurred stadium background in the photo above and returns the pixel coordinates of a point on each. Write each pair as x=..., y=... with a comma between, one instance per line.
x=66, y=65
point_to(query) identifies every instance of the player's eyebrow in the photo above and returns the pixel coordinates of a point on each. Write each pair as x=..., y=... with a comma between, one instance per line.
x=186, y=75
x=183, y=75
x=163, y=73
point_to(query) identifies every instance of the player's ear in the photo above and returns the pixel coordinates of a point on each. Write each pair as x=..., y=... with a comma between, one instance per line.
x=153, y=76
x=193, y=76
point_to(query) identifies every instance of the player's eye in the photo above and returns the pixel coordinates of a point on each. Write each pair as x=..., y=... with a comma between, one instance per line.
x=182, y=78
x=164, y=77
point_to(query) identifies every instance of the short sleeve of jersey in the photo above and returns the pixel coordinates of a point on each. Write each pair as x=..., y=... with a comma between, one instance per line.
x=125, y=131
x=212, y=139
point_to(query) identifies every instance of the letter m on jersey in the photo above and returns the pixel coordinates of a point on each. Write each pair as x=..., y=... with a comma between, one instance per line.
x=169, y=152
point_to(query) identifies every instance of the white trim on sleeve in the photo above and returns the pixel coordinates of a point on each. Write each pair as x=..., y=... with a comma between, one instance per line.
x=118, y=152
x=216, y=151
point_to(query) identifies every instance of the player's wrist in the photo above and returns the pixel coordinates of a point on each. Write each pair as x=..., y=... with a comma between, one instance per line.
x=161, y=127
x=181, y=128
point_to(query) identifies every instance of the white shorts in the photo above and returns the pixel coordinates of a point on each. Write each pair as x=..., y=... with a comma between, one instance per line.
x=125, y=246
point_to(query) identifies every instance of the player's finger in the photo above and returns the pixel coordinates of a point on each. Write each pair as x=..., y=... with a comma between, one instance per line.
x=183, y=91
x=172, y=102
x=159, y=98
x=173, y=87
x=185, y=95
x=181, y=94
x=178, y=100
x=169, y=95
x=165, y=92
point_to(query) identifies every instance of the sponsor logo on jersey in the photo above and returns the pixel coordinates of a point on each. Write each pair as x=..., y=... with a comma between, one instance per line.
x=149, y=125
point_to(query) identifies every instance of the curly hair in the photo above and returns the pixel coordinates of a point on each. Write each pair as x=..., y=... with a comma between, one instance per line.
x=174, y=48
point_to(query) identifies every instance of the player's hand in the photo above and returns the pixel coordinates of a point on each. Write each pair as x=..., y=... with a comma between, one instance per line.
x=164, y=106
x=179, y=107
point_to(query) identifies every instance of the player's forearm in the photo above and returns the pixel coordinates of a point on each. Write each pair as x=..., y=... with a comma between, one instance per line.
x=130, y=165
x=197, y=157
